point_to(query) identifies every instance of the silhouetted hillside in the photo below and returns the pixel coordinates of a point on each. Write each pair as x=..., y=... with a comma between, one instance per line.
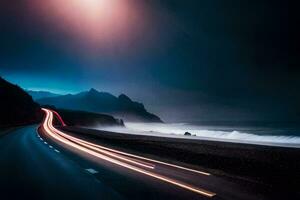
x=102, y=102
x=83, y=118
x=17, y=107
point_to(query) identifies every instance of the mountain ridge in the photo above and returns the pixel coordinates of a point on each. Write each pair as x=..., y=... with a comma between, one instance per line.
x=102, y=102
x=40, y=94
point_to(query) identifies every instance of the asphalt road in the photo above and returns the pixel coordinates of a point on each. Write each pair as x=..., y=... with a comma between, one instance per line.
x=31, y=170
x=39, y=166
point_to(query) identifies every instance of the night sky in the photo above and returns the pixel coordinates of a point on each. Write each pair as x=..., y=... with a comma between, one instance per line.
x=184, y=59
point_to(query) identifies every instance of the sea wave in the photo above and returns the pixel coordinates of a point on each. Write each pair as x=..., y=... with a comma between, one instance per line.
x=200, y=132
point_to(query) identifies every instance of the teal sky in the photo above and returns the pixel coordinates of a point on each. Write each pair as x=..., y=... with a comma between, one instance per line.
x=173, y=55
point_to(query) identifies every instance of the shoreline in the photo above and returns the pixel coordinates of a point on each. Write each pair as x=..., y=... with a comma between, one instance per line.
x=266, y=166
x=213, y=139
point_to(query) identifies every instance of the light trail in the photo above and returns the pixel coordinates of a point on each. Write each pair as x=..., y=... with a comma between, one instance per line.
x=150, y=166
x=80, y=142
x=59, y=118
x=112, y=156
x=148, y=159
x=127, y=154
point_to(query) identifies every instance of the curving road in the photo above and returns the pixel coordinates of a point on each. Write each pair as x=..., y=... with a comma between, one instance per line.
x=54, y=165
x=30, y=170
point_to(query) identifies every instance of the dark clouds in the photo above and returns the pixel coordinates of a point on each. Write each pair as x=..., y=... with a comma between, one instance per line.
x=231, y=58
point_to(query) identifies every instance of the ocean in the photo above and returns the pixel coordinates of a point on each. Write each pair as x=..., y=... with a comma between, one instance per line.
x=264, y=133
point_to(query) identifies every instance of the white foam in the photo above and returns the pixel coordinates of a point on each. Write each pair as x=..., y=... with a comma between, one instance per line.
x=178, y=130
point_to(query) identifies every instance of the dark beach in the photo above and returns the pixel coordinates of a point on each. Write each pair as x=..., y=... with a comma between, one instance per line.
x=270, y=170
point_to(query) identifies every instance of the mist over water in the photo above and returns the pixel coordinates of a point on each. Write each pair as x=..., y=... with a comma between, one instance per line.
x=269, y=135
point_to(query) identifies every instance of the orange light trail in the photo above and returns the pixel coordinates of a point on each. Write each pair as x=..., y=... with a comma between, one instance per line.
x=117, y=157
x=123, y=153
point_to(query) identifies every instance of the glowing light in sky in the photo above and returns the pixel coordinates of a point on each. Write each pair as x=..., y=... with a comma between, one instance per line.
x=94, y=21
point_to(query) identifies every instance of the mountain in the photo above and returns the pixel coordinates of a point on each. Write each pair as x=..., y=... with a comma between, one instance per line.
x=17, y=107
x=40, y=94
x=102, y=102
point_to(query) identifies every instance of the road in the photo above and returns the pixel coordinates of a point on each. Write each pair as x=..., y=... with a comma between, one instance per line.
x=51, y=164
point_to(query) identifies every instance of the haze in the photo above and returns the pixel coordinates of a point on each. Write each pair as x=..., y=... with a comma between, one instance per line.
x=185, y=60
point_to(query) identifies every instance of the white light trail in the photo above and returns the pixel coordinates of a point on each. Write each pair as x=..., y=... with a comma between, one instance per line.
x=117, y=157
